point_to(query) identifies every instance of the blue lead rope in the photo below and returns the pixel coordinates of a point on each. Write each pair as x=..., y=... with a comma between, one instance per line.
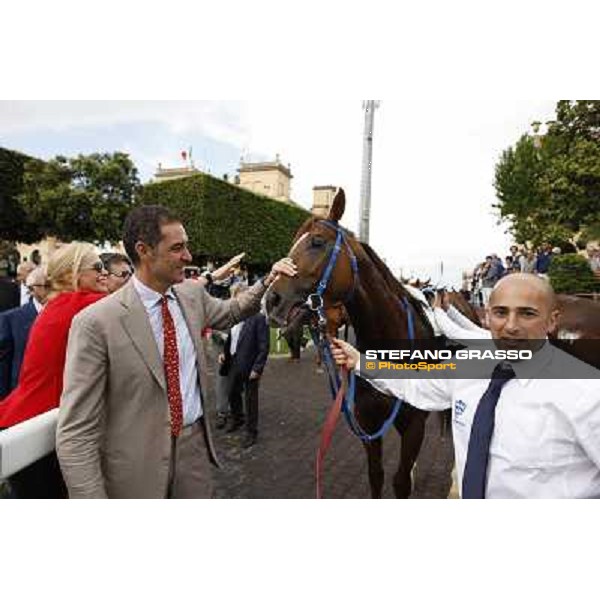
x=348, y=401
x=411, y=321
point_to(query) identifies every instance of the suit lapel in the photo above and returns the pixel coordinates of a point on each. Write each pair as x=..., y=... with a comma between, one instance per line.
x=31, y=310
x=137, y=325
x=243, y=332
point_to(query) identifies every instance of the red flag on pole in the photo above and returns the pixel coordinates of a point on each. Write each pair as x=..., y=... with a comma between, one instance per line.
x=184, y=155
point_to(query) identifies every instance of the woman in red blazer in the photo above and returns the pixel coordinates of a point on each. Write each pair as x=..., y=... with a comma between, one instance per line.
x=78, y=279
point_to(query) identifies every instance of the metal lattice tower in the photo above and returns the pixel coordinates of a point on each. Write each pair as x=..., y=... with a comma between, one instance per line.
x=369, y=107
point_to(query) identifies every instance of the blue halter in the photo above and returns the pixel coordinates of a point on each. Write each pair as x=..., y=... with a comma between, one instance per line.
x=316, y=304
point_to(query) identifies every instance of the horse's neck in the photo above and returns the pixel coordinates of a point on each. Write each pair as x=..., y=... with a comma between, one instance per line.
x=375, y=310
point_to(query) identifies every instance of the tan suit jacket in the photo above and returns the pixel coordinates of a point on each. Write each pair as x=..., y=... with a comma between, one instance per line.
x=113, y=437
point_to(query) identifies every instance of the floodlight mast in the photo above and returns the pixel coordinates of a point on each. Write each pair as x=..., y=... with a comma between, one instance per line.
x=369, y=106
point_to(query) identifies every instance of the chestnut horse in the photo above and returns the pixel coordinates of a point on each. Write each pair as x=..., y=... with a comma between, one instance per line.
x=377, y=305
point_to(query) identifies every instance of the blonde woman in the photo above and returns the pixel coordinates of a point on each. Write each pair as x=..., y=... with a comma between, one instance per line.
x=77, y=279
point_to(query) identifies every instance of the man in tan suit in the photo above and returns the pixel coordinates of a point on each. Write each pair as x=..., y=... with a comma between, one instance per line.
x=132, y=422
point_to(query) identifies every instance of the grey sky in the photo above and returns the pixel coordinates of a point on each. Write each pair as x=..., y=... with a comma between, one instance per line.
x=433, y=163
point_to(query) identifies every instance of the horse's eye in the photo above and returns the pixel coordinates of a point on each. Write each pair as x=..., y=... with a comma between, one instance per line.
x=317, y=242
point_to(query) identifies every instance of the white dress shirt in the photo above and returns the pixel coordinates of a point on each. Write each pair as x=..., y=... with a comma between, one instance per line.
x=25, y=294
x=455, y=326
x=546, y=440
x=235, y=337
x=188, y=372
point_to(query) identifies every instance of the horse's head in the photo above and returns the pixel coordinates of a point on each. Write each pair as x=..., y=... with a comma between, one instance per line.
x=290, y=300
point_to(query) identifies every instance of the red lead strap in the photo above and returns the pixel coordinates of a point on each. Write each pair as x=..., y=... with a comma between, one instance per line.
x=328, y=429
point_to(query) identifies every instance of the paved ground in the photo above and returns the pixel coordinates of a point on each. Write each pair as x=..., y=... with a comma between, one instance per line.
x=293, y=404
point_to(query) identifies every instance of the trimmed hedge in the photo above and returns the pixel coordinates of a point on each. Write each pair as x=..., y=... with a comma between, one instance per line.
x=222, y=219
x=572, y=274
x=14, y=222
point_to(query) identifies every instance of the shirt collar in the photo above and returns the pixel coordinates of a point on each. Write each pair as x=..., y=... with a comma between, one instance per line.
x=38, y=305
x=149, y=297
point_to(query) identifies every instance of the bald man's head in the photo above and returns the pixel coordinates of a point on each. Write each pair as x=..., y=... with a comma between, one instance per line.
x=522, y=306
x=529, y=282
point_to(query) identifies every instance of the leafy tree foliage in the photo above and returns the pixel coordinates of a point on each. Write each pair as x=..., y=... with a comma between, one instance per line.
x=15, y=223
x=223, y=219
x=548, y=186
x=572, y=274
x=82, y=198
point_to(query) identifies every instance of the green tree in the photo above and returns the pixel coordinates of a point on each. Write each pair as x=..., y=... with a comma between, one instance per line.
x=572, y=274
x=222, y=219
x=16, y=225
x=548, y=186
x=83, y=198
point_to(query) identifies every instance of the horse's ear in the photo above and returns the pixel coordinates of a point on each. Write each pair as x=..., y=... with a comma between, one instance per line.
x=336, y=212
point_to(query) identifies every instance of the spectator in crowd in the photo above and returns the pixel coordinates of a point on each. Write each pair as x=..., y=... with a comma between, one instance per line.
x=212, y=279
x=77, y=279
x=544, y=258
x=119, y=269
x=513, y=260
x=491, y=274
x=15, y=326
x=218, y=339
x=477, y=283
x=10, y=293
x=132, y=421
x=246, y=353
x=23, y=271
x=594, y=259
x=527, y=261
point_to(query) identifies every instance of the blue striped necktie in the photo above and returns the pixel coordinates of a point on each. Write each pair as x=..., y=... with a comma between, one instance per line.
x=474, y=477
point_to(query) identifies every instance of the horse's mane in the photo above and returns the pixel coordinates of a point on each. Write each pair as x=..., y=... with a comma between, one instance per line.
x=395, y=286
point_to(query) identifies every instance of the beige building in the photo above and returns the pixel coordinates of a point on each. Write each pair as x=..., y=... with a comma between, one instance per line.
x=45, y=248
x=272, y=179
x=50, y=244
x=323, y=196
x=174, y=173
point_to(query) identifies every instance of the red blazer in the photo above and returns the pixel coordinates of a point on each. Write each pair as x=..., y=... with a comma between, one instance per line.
x=41, y=379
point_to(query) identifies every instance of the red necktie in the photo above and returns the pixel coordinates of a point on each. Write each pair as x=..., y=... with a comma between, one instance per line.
x=171, y=360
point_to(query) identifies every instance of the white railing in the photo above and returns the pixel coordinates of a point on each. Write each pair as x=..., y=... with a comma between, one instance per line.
x=23, y=444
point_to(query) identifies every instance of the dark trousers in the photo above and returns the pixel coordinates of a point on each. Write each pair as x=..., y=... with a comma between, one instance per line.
x=41, y=479
x=242, y=385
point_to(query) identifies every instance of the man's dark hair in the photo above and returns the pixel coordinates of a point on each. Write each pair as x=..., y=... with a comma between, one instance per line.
x=110, y=259
x=143, y=225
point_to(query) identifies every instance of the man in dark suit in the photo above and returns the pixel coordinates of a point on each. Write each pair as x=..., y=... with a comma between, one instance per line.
x=15, y=326
x=246, y=353
x=10, y=294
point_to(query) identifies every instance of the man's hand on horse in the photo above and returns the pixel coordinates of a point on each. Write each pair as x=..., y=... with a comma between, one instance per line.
x=344, y=354
x=285, y=266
